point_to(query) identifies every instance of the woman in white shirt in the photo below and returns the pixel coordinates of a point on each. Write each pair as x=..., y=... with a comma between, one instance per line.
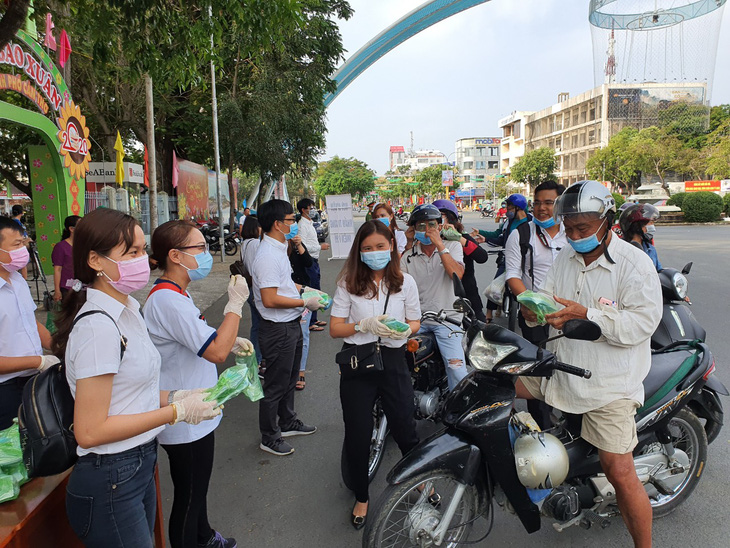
x=190, y=348
x=384, y=213
x=113, y=371
x=371, y=276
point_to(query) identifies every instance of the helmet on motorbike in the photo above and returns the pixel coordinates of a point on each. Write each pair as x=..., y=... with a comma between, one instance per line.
x=517, y=200
x=424, y=212
x=634, y=217
x=584, y=197
x=447, y=205
x=541, y=459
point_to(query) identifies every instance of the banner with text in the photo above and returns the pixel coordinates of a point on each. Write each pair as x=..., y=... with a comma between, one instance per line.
x=341, y=225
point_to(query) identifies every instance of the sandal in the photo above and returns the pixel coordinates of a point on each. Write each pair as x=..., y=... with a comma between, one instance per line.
x=320, y=323
x=316, y=327
x=301, y=383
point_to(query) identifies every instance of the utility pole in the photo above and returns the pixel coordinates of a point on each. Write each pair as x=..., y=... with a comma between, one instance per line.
x=151, y=157
x=216, y=148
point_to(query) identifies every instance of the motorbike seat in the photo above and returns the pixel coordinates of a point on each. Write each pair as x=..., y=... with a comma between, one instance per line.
x=663, y=367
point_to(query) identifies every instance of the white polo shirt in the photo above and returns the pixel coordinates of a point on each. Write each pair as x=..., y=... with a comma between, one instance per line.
x=18, y=329
x=402, y=306
x=181, y=335
x=271, y=268
x=309, y=237
x=542, y=255
x=93, y=350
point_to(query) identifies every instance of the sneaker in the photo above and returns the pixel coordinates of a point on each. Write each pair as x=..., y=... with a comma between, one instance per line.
x=277, y=447
x=217, y=541
x=298, y=428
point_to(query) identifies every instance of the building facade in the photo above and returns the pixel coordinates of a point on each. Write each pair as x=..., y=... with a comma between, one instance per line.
x=512, y=144
x=415, y=160
x=397, y=157
x=477, y=161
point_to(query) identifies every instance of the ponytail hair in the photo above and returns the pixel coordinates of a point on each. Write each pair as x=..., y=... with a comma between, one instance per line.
x=69, y=223
x=100, y=231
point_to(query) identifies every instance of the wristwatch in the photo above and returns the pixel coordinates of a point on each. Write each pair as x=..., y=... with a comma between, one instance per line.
x=357, y=327
x=444, y=251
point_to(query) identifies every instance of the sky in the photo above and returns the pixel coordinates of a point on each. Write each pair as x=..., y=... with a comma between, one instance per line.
x=457, y=78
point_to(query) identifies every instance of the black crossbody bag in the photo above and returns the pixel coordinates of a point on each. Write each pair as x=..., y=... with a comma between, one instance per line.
x=361, y=359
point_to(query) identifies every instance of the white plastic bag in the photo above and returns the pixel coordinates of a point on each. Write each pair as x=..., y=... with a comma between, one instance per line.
x=495, y=290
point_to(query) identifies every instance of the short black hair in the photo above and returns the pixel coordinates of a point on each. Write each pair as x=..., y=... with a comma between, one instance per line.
x=550, y=185
x=304, y=203
x=12, y=224
x=17, y=210
x=250, y=228
x=272, y=211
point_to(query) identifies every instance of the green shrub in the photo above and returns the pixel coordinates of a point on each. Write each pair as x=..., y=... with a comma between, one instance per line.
x=702, y=207
x=677, y=199
x=620, y=200
x=726, y=202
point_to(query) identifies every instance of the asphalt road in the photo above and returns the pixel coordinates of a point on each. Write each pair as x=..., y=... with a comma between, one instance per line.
x=300, y=501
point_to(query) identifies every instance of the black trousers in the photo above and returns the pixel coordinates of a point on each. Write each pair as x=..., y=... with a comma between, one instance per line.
x=281, y=347
x=191, y=465
x=358, y=395
x=10, y=394
x=539, y=410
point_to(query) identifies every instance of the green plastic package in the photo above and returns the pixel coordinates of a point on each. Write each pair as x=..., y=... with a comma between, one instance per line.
x=12, y=470
x=539, y=303
x=241, y=378
x=324, y=299
x=395, y=325
x=451, y=235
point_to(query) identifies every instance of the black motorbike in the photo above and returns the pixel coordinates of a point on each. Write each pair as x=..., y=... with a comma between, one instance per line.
x=486, y=213
x=212, y=237
x=403, y=216
x=478, y=458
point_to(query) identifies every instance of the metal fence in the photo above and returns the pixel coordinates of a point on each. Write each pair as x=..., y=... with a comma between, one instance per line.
x=93, y=200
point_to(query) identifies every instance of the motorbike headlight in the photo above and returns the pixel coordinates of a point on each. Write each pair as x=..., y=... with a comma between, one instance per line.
x=484, y=355
x=680, y=283
x=515, y=368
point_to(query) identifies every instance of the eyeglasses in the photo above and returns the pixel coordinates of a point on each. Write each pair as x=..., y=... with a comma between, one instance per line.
x=290, y=220
x=200, y=247
x=422, y=227
x=547, y=203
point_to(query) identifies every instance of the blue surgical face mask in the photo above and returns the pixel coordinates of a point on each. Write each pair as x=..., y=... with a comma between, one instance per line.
x=205, y=263
x=384, y=220
x=550, y=222
x=510, y=215
x=421, y=237
x=586, y=245
x=293, y=231
x=376, y=260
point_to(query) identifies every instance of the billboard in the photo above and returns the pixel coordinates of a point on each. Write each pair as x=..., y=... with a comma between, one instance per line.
x=447, y=177
x=192, y=191
x=697, y=186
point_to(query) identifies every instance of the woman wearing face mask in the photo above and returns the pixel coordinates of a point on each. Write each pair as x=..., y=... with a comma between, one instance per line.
x=113, y=371
x=190, y=348
x=370, y=288
x=62, y=258
x=637, y=227
x=384, y=213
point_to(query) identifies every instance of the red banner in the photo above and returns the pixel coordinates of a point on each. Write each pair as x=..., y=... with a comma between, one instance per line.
x=697, y=186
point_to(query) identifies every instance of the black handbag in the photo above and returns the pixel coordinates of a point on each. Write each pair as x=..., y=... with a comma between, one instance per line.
x=361, y=359
x=45, y=418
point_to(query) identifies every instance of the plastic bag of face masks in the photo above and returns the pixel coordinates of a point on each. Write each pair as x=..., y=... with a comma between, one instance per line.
x=451, y=234
x=12, y=470
x=539, y=303
x=395, y=325
x=324, y=299
x=242, y=378
x=495, y=290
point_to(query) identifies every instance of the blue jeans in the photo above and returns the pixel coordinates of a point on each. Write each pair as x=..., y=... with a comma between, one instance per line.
x=111, y=499
x=314, y=282
x=451, y=351
x=255, y=321
x=305, y=340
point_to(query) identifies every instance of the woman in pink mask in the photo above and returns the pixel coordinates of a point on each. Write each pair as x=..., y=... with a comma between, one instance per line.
x=113, y=370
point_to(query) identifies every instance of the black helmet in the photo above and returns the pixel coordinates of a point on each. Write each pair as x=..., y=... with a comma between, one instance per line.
x=634, y=217
x=424, y=212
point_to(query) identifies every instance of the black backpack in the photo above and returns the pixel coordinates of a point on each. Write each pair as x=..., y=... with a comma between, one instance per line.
x=45, y=418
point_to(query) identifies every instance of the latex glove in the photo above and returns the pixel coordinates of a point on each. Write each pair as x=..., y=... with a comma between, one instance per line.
x=242, y=347
x=307, y=288
x=182, y=394
x=400, y=335
x=48, y=360
x=193, y=410
x=374, y=326
x=313, y=303
x=237, y=294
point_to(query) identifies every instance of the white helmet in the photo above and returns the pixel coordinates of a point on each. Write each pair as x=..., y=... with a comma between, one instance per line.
x=584, y=197
x=541, y=459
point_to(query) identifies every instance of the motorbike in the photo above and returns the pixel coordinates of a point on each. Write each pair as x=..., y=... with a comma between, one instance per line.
x=479, y=457
x=231, y=240
x=679, y=324
x=486, y=213
x=404, y=216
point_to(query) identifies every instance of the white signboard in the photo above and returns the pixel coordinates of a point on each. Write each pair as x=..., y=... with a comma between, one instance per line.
x=341, y=225
x=105, y=172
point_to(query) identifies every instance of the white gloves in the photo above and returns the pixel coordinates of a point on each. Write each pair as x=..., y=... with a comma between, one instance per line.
x=48, y=360
x=374, y=326
x=193, y=410
x=242, y=347
x=178, y=395
x=237, y=294
x=400, y=335
x=312, y=303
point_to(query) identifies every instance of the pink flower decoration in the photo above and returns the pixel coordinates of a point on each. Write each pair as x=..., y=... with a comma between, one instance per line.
x=44, y=238
x=66, y=96
x=44, y=207
x=39, y=188
x=51, y=217
x=37, y=163
x=51, y=197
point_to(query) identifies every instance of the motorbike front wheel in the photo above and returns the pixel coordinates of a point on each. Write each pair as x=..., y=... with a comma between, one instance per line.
x=403, y=516
x=231, y=247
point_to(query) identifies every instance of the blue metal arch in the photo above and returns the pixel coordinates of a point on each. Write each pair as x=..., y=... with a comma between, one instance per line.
x=407, y=26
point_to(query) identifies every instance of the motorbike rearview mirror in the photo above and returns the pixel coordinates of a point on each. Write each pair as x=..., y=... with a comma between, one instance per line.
x=687, y=268
x=582, y=330
x=458, y=286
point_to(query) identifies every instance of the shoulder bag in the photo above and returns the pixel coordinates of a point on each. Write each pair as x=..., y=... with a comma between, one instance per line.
x=361, y=359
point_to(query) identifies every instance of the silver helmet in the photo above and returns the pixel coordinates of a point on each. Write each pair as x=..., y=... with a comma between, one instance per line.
x=584, y=197
x=541, y=459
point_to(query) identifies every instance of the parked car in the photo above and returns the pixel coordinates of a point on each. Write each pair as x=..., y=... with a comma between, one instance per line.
x=319, y=221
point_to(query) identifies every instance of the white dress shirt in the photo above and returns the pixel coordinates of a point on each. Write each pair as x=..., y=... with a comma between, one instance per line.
x=18, y=328
x=271, y=268
x=309, y=237
x=93, y=350
x=402, y=306
x=621, y=358
x=248, y=252
x=181, y=336
x=542, y=255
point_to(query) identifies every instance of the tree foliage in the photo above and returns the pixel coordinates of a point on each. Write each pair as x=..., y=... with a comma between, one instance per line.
x=343, y=176
x=702, y=207
x=535, y=167
x=616, y=162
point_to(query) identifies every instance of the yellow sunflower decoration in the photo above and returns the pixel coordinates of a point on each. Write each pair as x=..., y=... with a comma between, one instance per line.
x=74, y=138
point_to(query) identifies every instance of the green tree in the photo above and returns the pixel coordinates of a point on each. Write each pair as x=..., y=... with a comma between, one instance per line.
x=535, y=167
x=718, y=151
x=616, y=162
x=657, y=152
x=342, y=176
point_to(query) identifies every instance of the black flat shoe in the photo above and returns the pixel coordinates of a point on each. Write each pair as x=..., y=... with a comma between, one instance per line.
x=358, y=522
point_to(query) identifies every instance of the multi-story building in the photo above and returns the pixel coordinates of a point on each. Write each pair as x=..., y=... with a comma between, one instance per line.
x=512, y=144
x=397, y=157
x=477, y=159
x=415, y=160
